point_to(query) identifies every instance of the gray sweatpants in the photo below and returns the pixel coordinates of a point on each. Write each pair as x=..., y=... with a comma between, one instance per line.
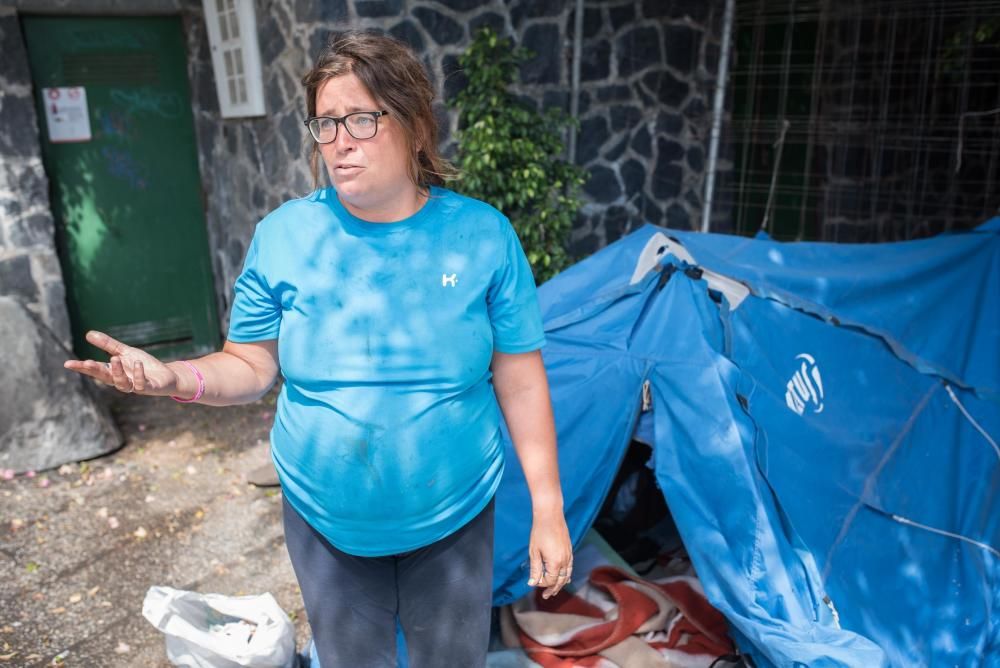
x=441, y=595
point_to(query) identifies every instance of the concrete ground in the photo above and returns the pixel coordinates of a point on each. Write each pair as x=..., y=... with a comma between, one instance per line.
x=79, y=547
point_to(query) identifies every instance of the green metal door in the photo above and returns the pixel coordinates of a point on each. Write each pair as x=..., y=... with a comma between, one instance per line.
x=127, y=201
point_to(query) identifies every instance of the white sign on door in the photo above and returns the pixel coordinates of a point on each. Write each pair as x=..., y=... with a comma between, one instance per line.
x=66, y=114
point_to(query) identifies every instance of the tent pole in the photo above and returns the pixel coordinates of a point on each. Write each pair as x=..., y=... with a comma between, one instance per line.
x=720, y=96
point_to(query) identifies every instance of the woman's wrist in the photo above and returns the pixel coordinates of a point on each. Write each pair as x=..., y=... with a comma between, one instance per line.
x=189, y=384
x=547, y=505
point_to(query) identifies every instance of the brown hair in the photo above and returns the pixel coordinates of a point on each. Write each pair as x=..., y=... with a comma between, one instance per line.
x=398, y=82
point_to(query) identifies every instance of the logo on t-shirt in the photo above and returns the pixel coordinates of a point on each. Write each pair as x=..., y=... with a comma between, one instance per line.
x=449, y=280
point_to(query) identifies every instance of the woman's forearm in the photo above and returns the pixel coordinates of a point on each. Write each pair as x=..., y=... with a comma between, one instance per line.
x=523, y=394
x=241, y=373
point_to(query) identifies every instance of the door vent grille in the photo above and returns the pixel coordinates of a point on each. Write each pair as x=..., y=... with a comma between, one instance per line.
x=111, y=68
x=153, y=332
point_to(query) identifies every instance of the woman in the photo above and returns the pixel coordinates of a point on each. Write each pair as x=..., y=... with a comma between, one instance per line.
x=387, y=303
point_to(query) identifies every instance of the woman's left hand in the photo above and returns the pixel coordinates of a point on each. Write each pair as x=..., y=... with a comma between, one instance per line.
x=551, y=553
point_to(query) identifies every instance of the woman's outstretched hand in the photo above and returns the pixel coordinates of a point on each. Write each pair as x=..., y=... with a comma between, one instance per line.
x=130, y=369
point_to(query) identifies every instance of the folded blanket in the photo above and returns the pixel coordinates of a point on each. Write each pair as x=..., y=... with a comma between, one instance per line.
x=620, y=620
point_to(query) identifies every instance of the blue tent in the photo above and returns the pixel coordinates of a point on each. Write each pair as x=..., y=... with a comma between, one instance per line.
x=824, y=422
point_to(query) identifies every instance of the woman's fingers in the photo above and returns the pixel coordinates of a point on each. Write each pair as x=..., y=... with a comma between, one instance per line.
x=138, y=377
x=120, y=380
x=96, y=370
x=105, y=342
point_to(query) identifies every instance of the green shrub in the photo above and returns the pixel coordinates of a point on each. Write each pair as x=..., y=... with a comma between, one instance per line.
x=511, y=156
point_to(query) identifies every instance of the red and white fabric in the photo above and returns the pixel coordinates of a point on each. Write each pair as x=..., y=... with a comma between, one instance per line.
x=619, y=620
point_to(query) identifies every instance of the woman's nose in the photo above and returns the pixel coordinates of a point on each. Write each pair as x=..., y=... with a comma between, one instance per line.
x=344, y=140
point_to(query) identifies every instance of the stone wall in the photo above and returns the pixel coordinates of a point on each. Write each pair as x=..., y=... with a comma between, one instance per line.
x=29, y=266
x=48, y=416
x=647, y=77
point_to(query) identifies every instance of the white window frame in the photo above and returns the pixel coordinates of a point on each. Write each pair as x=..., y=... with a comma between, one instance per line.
x=241, y=93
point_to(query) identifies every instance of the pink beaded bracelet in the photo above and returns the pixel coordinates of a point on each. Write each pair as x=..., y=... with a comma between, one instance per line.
x=201, y=385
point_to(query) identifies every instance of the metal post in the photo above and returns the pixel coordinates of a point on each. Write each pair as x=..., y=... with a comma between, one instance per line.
x=574, y=98
x=720, y=98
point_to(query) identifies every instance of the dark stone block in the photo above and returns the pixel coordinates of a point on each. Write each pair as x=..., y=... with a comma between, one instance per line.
x=533, y=9
x=463, y=5
x=696, y=108
x=595, y=61
x=377, y=8
x=583, y=106
x=317, y=42
x=625, y=117
x=327, y=11
x=633, y=177
x=680, y=44
x=617, y=150
x=248, y=140
x=442, y=29
x=272, y=42
x=407, y=31
x=455, y=79
x=696, y=158
x=616, y=93
x=692, y=198
x=274, y=94
x=667, y=88
x=545, y=43
x=232, y=141
x=593, y=133
x=638, y=49
x=711, y=57
x=667, y=179
x=602, y=186
x=528, y=102
x=15, y=65
x=17, y=127
x=645, y=98
x=616, y=223
x=697, y=10
x=204, y=89
x=592, y=22
x=259, y=197
x=443, y=118
x=272, y=151
x=648, y=209
x=16, y=280
x=585, y=246
x=490, y=20
x=294, y=134
x=36, y=229
x=669, y=124
x=642, y=143
x=556, y=99
x=678, y=218
x=621, y=16
x=668, y=151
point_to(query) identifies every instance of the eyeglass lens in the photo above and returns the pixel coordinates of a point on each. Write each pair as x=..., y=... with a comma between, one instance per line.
x=361, y=125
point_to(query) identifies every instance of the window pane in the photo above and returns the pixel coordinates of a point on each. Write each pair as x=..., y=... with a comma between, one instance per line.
x=223, y=30
x=232, y=91
x=238, y=57
x=243, y=89
x=220, y=6
x=234, y=24
x=227, y=55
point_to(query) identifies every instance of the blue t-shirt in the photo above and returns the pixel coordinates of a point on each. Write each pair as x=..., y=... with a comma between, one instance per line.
x=387, y=432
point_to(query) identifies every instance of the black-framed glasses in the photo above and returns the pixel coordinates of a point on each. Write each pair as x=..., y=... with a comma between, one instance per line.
x=360, y=125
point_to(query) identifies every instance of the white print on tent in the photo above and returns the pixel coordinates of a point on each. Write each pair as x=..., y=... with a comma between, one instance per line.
x=806, y=386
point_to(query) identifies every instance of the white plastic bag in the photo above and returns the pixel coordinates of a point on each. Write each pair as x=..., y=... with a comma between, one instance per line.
x=216, y=631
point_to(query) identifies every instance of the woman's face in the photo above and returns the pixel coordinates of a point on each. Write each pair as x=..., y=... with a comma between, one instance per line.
x=371, y=176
